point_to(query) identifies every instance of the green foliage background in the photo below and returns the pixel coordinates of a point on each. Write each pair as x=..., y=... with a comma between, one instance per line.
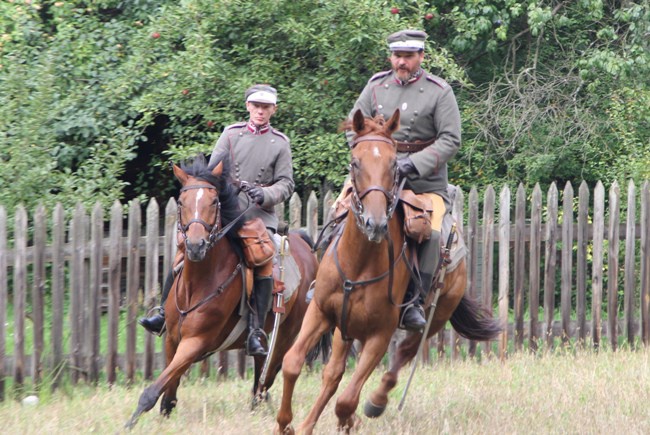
x=95, y=96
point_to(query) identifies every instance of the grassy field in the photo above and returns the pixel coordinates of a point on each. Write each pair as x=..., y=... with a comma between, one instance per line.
x=583, y=393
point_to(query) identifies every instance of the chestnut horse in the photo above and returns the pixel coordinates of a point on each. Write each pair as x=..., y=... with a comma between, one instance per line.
x=203, y=307
x=361, y=281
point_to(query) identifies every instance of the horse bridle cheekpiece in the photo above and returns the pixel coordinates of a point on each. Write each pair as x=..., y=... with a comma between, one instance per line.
x=212, y=229
x=392, y=196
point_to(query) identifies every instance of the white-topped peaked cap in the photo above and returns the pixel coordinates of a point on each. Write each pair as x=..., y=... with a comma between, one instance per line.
x=261, y=94
x=407, y=40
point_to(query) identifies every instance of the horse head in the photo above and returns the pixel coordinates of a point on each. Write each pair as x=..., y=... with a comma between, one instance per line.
x=207, y=204
x=373, y=173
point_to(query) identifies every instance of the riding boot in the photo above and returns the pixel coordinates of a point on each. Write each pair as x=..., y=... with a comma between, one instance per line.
x=261, y=300
x=413, y=314
x=155, y=323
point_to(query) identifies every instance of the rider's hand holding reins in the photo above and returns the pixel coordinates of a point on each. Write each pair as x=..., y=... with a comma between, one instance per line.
x=255, y=193
x=405, y=167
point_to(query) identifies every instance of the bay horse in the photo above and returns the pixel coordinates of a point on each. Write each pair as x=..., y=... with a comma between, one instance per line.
x=202, y=311
x=361, y=282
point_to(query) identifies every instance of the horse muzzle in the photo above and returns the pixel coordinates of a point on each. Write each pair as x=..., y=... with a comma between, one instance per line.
x=374, y=228
x=195, y=251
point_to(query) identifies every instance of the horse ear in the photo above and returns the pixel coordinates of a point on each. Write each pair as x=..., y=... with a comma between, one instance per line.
x=180, y=174
x=218, y=170
x=392, y=125
x=358, y=121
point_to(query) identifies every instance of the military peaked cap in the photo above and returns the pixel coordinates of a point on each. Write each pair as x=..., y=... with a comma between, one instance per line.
x=261, y=94
x=407, y=40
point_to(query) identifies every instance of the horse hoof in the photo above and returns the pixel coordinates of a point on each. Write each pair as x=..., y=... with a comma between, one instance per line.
x=373, y=411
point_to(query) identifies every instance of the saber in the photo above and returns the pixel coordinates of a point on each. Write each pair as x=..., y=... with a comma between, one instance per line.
x=444, y=261
x=278, y=309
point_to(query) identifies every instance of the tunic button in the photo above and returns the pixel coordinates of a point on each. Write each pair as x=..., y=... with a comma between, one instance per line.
x=412, y=120
x=380, y=107
x=272, y=140
x=421, y=90
x=386, y=85
x=407, y=128
x=415, y=113
x=241, y=134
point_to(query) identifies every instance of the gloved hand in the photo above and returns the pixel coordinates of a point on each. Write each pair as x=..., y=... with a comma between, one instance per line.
x=405, y=166
x=256, y=194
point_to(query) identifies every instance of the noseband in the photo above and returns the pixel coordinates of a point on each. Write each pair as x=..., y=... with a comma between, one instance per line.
x=212, y=229
x=391, y=196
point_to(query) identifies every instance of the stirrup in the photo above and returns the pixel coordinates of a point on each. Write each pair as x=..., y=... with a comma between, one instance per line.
x=259, y=335
x=418, y=309
x=161, y=313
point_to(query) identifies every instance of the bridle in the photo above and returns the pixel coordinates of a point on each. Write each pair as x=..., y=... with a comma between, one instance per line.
x=214, y=230
x=391, y=196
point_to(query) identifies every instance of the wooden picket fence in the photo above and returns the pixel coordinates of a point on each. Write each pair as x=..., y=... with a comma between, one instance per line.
x=86, y=279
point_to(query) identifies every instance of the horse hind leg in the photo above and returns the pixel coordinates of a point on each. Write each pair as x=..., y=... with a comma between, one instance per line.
x=169, y=400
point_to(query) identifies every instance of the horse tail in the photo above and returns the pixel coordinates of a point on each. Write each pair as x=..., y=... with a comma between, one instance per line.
x=324, y=347
x=474, y=322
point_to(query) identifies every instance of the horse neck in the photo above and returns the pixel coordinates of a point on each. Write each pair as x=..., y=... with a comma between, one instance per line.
x=202, y=277
x=353, y=240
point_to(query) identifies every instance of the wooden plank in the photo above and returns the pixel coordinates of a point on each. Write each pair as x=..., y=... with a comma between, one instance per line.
x=76, y=236
x=629, y=281
x=312, y=216
x=566, y=268
x=472, y=257
x=20, y=294
x=241, y=363
x=581, y=262
x=114, y=274
x=132, y=287
x=171, y=246
x=38, y=291
x=612, y=265
x=4, y=278
x=550, y=260
x=519, y=272
x=58, y=293
x=95, y=293
x=151, y=281
x=645, y=263
x=504, y=266
x=295, y=211
x=534, y=264
x=597, y=264
x=457, y=210
x=487, y=263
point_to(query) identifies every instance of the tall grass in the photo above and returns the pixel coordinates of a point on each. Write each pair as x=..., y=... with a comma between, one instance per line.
x=564, y=392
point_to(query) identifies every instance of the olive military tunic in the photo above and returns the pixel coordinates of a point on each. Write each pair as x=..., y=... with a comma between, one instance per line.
x=261, y=157
x=428, y=109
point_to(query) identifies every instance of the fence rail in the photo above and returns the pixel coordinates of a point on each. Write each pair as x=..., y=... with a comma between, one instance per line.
x=555, y=272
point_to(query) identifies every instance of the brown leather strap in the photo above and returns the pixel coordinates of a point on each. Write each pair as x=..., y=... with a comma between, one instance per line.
x=413, y=147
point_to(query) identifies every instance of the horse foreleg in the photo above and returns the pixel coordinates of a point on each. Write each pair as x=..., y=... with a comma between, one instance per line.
x=346, y=405
x=332, y=374
x=185, y=355
x=315, y=324
x=406, y=350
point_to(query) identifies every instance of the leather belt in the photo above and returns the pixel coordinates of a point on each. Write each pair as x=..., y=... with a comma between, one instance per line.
x=413, y=147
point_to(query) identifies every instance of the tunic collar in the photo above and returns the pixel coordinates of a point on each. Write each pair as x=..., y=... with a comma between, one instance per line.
x=416, y=76
x=258, y=130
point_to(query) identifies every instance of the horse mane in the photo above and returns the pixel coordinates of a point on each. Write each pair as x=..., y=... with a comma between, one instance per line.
x=372, y=126
x=198, y=167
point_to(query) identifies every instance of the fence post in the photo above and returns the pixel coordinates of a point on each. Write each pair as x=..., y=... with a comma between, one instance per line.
x=38, y=290
x=519, y=272
x=567, y=261
x=114, y=274
x=597, y=264
x=3, y=299
x=612, y=265
x=629, y=284
x=581, y=263
x=534, y=256
x=132, y=286
x=20, y=290
x=58, y=292
x=550, y=260
x=504, y=265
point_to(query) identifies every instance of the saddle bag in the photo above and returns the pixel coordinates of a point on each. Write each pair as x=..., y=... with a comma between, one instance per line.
x=256, y=243
x=418, y=212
